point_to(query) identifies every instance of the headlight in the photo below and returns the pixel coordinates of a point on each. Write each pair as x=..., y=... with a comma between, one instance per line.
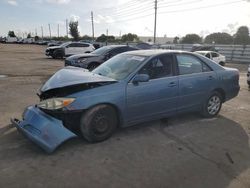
x=81, y=60
x=55, y=103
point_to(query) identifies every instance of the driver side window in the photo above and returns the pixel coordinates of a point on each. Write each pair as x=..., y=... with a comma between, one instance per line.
x=159, y=67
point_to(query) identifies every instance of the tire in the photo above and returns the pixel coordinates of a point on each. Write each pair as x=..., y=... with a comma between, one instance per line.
x=57, y=54
x=212, y=105
x=98, y=123
x=222, y=63
x=92, y=66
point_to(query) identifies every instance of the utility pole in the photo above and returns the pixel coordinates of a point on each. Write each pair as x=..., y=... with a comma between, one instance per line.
x=107, y=32
x=67, y=30
x=42, y=31
x=58, y=30
x=49, y=32
x=36, y=32
x=155, y=20
x=92, y=21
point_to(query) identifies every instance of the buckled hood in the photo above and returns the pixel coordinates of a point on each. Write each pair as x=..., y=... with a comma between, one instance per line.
x=73, y=76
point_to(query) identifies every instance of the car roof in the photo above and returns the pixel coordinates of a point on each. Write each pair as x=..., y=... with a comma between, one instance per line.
x=116, y=46
x=205, y=51
x=153, y=52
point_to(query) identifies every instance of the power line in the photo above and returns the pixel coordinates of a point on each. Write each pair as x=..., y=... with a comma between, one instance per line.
x=177, y=11
x=201, y=7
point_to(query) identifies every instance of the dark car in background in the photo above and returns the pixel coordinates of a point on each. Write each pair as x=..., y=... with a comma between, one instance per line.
x=97, y=57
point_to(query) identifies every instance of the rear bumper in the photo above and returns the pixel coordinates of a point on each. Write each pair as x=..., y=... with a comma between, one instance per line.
x=42, y=129
x=232, y=93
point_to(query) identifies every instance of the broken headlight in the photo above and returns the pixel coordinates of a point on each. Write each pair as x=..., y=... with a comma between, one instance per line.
x=55, y=103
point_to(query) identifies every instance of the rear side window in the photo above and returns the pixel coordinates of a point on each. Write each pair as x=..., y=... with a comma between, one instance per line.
x=117, y=51
x=82, y=45
x=72, y=45
x=214, y=54
x=189, y=64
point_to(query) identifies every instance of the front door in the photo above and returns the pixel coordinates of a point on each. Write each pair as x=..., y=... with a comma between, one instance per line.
x=157, y=97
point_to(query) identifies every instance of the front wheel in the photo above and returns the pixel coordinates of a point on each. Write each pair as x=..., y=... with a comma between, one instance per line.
x=222, y=63
x=98, y=123
x=212, y=105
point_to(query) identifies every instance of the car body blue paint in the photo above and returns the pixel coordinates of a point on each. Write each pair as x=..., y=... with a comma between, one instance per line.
x=136, y=102
x=42, y=129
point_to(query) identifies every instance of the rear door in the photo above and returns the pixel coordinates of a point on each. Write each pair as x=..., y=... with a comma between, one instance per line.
x=157, y=97
x=71, y=49
x=196, y=80
x=82, y=48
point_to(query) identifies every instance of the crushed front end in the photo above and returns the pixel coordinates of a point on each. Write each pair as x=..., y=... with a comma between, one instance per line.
x=43, y=129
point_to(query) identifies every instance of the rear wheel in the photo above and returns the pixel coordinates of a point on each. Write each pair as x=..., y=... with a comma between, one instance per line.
x=57, y=54
x=222, y=63
x=98, y=123
x=212, y=105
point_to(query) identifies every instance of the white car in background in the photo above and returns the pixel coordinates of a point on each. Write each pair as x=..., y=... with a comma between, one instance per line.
x=215, y=56
x=68, y=49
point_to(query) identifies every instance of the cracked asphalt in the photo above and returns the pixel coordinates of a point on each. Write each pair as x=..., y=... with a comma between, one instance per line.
x=183, y=151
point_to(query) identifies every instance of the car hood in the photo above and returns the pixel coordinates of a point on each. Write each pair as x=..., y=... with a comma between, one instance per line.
x=70, y=76
x=78, y=56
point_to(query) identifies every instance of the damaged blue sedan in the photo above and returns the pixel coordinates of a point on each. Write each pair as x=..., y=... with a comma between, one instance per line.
x=128, y=89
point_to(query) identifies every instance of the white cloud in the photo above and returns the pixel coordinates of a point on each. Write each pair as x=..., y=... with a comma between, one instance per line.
x=74, y=18
x=102, y=19
x=12, y=2
x=59, y=1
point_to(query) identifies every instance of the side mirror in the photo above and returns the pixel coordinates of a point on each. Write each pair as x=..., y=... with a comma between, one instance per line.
x=141, y=78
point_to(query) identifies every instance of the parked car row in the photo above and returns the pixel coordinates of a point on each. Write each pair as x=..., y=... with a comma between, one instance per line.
x=127, y=89
x=94, y=59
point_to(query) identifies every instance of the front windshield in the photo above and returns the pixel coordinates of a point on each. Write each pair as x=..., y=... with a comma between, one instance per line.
x=120, y=66
x=101, y=50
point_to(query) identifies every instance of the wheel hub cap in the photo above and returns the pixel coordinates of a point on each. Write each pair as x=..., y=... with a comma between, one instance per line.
x=213, y=105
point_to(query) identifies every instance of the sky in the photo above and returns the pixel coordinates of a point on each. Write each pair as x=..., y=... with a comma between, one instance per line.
x=118, y=17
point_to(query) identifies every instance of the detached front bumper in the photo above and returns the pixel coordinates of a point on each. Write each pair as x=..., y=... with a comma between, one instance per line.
x=43, y=129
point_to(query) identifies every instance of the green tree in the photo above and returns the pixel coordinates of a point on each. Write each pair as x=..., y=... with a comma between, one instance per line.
x=219, y=38
x=104, y=38
x=242, y=36
x=176, y=40
x=36, y=38
x=29, y=35
x=129, y=38
x=86, y=37
x=11, y=34
x=73, y=29
x=191, y=39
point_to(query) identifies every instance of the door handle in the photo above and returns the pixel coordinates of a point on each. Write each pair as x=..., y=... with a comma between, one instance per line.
x=172, y=84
